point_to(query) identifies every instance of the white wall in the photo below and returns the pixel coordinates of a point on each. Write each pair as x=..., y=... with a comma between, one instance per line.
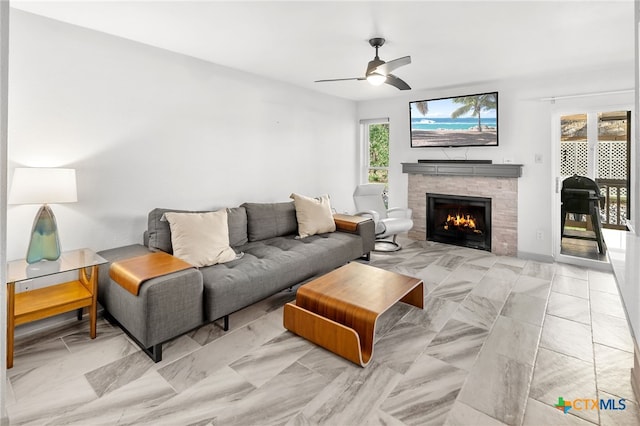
x=146, y=128
x=4, y=56
x=524, y=131
x=149, y=128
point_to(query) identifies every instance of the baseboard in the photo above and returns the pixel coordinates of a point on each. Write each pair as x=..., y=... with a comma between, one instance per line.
x=597, y=265
x=535, y=256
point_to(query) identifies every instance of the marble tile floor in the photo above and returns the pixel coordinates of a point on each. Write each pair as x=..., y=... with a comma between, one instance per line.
x=499, y=341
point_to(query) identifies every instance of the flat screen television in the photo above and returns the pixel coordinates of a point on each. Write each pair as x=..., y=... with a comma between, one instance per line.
x=459, y=121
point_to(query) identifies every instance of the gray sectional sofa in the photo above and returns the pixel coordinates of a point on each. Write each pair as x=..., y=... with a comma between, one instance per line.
x=272, y=259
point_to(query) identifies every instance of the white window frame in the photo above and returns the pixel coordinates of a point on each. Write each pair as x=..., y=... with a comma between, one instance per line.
x=364, y=148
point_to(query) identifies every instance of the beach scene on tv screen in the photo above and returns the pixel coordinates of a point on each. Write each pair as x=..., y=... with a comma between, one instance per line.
x=459, y=121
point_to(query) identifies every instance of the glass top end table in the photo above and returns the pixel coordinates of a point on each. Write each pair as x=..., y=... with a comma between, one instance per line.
x=48, y=301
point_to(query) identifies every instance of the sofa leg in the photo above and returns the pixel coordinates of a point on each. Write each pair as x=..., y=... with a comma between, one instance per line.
x=155, y=352
x=366, y=257
x=226, y=323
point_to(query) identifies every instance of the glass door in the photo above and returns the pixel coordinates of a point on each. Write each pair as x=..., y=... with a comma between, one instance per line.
x=596, y=145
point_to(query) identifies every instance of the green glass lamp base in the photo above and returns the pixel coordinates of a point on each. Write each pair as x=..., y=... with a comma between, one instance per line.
x=44, y=243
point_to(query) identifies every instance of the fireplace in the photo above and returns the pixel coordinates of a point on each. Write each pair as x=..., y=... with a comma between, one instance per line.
x=499, y=182
x=459, y=220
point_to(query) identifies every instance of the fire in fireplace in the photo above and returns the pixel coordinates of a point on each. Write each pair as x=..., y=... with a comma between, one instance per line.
x=459, y=220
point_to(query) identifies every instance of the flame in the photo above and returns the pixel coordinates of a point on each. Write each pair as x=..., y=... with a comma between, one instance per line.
x=461, y=221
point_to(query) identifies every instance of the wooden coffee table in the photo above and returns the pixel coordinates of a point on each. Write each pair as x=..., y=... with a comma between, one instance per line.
x=339, y=310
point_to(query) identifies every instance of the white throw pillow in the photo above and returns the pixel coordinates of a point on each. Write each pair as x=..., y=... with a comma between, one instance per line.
x=314, y=215
x=201, y=239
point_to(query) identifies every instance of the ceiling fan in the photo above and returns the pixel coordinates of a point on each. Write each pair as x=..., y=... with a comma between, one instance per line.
x=379, y=71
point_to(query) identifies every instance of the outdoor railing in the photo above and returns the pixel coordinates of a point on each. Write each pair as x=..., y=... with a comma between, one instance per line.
x=614, y=211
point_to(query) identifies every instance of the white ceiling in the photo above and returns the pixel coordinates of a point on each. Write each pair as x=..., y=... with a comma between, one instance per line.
x=450, y=42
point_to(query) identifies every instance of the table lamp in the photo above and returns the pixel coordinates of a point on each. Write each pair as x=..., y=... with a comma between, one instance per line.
x=43, y=186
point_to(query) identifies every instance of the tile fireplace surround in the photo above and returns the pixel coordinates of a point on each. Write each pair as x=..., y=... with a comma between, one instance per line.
x=469, y=180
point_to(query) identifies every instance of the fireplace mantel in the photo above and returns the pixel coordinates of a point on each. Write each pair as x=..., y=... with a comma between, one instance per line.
x=463, y=169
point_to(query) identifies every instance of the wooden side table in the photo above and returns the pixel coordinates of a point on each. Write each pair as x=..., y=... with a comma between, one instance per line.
x=44, y=302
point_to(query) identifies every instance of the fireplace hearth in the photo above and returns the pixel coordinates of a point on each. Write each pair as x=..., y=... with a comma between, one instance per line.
x=459, y=220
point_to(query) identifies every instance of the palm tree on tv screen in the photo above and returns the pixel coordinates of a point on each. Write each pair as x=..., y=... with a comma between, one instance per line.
x=474, y=105
x=423, y=107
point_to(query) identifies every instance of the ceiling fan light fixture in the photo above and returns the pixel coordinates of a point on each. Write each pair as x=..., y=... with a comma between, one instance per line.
x=376, y=79
x=378, y=71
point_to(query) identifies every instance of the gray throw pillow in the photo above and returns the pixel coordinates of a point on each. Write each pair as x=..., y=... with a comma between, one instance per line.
x=268, y=220
x=237, y=217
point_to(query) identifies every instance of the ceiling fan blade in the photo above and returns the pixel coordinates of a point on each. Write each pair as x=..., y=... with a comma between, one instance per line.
x=340, y=79
x=374, y=65
x=388, y=67
x=397, y=83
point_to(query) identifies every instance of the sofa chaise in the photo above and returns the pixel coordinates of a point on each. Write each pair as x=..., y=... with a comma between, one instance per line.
x=270, y=257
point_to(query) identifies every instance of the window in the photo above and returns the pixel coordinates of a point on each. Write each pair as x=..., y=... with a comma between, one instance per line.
x=376, y=152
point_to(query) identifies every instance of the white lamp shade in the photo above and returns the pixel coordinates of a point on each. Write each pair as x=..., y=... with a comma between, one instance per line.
x=43, y=186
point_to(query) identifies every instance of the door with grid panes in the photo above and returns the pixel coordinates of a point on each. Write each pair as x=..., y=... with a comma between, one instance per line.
x=598, y=145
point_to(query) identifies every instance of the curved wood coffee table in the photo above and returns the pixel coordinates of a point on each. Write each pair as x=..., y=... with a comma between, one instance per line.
x=339, y=310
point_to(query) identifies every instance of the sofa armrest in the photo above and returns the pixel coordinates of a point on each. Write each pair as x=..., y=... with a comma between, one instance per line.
x=131, y=273
x=166, y=306
x=348, y=223
x=370, y=214
x=362, y=226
